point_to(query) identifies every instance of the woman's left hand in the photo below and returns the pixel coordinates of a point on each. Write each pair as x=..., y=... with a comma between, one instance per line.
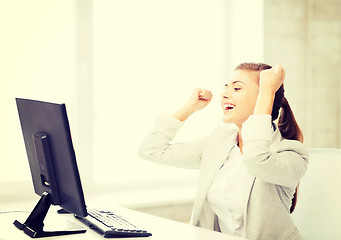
x=270, y=80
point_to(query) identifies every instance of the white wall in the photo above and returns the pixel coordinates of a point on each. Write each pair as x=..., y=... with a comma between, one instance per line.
x=37, y=60
x=246, y=32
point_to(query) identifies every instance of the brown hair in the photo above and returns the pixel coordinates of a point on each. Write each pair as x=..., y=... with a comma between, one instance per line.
x=287, y=124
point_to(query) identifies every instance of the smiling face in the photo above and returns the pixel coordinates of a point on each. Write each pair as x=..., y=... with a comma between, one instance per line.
x=239, y=96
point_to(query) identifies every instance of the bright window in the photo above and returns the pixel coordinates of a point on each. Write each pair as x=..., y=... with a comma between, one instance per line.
x=148, y=57
x=118, y=65
x=37, y=61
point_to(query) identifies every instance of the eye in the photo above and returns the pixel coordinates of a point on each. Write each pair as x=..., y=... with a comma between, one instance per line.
x=236, y=89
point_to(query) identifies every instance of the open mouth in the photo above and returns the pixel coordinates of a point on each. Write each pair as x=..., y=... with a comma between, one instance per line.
x=228, y=106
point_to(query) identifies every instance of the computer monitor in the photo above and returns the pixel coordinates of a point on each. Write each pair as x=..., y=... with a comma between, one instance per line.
x=52, y=163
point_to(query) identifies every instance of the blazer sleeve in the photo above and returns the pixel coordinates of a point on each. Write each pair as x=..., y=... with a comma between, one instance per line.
x=158, y=145
x=281, y=162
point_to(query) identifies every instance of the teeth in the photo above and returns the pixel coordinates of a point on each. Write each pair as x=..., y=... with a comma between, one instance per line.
x=228, y=106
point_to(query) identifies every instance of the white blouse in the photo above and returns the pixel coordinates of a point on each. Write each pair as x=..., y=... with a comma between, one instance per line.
x=227, y=192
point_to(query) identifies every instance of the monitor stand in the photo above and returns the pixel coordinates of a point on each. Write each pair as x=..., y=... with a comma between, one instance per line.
x=34, y=224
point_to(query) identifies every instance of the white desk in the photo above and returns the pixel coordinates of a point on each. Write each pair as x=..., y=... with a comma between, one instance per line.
x=162, y=229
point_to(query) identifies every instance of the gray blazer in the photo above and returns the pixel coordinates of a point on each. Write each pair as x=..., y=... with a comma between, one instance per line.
x=276, y=165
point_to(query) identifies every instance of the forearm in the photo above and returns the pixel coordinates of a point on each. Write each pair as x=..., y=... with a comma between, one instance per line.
x=264, y=103
x=270, y=81
x=198, y=100
x=183, y=113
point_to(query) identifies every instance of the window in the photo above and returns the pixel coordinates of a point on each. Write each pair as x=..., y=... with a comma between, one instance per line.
x=38, y=61
x=148, y=58
x=117, y=65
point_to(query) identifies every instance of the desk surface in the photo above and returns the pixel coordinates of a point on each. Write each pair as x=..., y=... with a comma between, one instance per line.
x=162, y=229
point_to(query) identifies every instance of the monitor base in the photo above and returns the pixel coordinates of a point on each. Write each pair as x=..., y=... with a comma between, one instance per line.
x=34, y=224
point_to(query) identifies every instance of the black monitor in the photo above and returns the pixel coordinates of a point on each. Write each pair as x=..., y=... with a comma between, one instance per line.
x=52, y=163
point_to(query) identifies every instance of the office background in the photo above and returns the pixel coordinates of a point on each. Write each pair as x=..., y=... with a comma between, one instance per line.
x=119, y=64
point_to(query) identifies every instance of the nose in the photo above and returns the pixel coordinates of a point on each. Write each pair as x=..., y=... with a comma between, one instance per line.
x=225, y=95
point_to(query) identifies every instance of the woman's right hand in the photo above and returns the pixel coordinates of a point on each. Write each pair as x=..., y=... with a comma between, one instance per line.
x=199, y=99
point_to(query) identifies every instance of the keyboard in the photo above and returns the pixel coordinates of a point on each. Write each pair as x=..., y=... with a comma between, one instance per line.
x=110, y=224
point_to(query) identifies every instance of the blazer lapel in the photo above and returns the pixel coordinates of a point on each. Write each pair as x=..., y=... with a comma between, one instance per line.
x=210, y=171
x=214, y=160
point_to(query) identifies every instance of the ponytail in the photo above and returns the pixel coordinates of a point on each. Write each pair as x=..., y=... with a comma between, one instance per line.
x=287, y=125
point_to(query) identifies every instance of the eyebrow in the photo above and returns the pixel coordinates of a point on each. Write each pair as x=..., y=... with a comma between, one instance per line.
x=234, y=83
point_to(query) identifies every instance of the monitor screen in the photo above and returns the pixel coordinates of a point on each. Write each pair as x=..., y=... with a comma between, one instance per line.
x=50, y=154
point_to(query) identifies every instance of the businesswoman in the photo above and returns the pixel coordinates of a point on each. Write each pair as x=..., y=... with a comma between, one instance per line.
x=248, y=175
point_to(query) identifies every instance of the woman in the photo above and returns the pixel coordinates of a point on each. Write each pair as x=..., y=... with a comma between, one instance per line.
x=249, y=176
